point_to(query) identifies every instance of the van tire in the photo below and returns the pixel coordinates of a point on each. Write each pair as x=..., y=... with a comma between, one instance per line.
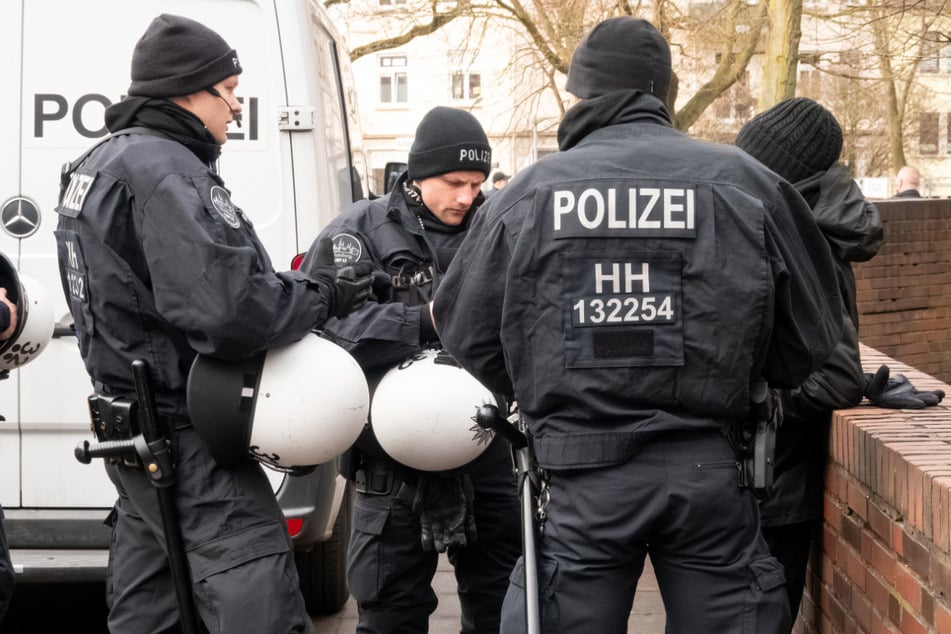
x=323, y=569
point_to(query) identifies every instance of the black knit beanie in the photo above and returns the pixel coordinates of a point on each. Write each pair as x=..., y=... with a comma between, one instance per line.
x=796, y=138
x=177, y=56
x=448, y=140
x=620, y=54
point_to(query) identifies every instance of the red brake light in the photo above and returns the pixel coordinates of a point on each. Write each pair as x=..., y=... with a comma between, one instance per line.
x=294, y=526
x=296, y=260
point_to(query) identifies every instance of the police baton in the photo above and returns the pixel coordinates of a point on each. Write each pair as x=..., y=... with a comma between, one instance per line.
x=153, y=451
x=488, y=417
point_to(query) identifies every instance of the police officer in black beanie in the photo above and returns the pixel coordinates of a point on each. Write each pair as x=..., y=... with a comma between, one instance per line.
x=629, y=290
x=158, y=263
x=410, y=236
x=801, y=141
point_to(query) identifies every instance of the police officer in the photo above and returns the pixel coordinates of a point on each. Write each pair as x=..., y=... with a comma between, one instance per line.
x=8, y=324
x=801, y=141
x=158, y=263
x=628, y=290
x=410, y=236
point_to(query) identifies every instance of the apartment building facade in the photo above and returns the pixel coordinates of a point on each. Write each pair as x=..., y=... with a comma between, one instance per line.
x=487, y=66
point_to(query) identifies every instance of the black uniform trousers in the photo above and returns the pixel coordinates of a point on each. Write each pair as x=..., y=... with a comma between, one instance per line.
x=676, y=500
x=390, y=575
x=244, y=579
x=6, y=571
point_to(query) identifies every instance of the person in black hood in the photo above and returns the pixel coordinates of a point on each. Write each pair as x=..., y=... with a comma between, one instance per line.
x=801, y=141
x=158, y=263
x=628, y=291
x=410, y=236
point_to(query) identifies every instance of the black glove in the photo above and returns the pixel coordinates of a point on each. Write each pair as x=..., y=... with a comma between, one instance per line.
x=351, y=283
x=898, y=392
x=444, y=504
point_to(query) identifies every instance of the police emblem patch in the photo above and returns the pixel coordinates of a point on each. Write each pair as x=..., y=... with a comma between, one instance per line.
x=347, y=249
x=223, y=205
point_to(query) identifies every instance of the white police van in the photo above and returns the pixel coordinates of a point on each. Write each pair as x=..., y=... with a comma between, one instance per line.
x=297, y=157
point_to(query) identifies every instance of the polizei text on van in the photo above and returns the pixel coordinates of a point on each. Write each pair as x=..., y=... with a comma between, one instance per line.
x=87, y=116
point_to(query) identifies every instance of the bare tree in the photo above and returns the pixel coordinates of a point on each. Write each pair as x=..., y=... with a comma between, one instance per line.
x=901, y=36
x=782, y=52
x=551, y=29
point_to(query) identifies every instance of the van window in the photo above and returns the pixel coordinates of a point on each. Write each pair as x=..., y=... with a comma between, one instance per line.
x=338, y=146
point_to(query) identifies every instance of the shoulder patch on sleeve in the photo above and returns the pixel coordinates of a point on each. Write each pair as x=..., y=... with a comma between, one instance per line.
x=221, y=201
x=347, y=249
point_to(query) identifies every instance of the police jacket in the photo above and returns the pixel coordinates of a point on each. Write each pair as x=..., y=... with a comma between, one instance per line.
x=853, y=229
x=410, y=250
x=634, y=283
x=158, y=263
x=408, y=259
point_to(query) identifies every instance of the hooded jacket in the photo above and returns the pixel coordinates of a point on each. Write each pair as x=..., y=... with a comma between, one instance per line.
x=853, y=229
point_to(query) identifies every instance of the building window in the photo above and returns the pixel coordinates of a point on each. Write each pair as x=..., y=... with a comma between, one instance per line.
x=466, y=85
x=935, y=54
x=394, y=82
x=465, y=78
x=928, y=133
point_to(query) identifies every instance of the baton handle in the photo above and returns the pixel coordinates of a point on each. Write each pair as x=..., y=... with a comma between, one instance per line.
x=146, y=399
x=86, y=451
x=488, y=417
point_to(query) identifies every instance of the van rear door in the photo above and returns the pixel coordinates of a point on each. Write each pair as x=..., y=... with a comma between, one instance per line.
x=9, y=190
x=75, y=62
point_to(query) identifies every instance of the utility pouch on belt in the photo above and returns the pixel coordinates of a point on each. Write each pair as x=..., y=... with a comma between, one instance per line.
x=756, y=439
x=111, y=417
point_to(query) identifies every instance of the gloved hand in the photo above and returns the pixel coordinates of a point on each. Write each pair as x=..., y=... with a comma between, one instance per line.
x=351, y=283
x=444, y=504
x=898, y=392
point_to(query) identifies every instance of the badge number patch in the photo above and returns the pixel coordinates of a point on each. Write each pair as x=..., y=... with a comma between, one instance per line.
x=221, y=201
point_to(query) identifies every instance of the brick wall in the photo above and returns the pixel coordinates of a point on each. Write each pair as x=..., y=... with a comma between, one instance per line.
x=904, y=293
x=883, y=563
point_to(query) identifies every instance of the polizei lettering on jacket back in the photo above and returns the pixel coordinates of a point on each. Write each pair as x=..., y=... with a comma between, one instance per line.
x=621, y=210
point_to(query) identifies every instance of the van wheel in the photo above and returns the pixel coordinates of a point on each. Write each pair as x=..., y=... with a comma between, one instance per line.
x=323, y=570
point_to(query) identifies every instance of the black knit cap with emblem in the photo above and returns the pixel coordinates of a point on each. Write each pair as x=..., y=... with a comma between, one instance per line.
x=796, y=138
x=448, y=140
x=178, y=56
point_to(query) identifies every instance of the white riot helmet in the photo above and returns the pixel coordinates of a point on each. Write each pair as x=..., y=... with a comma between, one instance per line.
x=423, y=413
x=290, y=408
x=34, y=317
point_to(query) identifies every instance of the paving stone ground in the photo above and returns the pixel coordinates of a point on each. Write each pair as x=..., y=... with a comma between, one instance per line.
x=647, y=617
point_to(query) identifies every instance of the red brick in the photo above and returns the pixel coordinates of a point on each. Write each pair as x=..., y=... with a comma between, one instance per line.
x=880, y=558
x=917, y=555
x=911, y=624
x=861, y=609
x=908, y=585
x=942, y=618
x=880, y=523
x=858, y=499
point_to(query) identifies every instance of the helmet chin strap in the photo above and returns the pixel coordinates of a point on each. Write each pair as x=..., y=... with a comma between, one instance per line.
x=236, y=115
